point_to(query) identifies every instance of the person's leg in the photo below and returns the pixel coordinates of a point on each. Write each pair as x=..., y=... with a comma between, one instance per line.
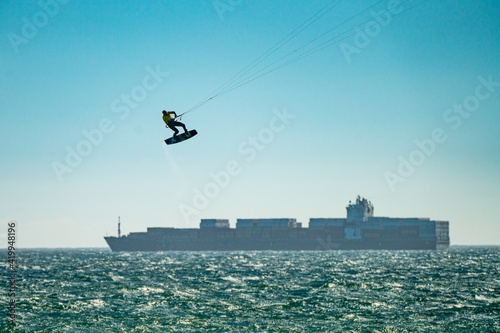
x=178, y=123
x=171, y=125
x=185, y=129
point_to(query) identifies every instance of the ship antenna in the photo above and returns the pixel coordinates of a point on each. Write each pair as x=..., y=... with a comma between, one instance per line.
x=119, y=232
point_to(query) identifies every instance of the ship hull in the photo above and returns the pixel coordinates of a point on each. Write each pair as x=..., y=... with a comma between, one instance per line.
x=318, y=244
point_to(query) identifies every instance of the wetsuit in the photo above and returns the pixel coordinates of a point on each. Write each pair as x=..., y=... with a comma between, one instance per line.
x=171, y=123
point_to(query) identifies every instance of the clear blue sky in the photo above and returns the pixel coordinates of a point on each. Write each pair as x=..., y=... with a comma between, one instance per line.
x=359, y=106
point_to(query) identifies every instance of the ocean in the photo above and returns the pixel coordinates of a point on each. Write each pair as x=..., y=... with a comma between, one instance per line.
x=96, y=290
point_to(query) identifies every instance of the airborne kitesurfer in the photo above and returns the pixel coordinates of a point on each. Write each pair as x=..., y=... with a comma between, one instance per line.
x=169, y=119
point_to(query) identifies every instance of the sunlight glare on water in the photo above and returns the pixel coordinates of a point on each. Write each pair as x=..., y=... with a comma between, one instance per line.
x=335, y=291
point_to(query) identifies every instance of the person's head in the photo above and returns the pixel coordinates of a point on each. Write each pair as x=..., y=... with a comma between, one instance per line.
x=164, y=112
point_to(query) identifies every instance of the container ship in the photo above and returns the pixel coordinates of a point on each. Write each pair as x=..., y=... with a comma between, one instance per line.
x=360, y=230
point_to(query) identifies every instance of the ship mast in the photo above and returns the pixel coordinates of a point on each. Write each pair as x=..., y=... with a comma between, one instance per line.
x=119, y=232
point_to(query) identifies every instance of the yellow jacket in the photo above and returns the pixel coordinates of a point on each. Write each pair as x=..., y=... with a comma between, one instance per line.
x=168, y=117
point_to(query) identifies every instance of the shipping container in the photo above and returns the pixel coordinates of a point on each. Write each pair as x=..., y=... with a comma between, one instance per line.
x=317, y=223
x=371, y=225
x=427, y=229
x=266, y=223
x=160, y=231
x=276, y=222
x=408, y=234
x=186, y=233
x=335, y=223
x=326, y=222
x=409, y=230
x=442, y=231
x=379, y=219
x=245, y=223
x=392, y=224
x=214, y=223
x=410, y=222
x=138, y=234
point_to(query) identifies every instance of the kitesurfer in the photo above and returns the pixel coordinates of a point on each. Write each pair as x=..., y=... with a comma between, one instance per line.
x=171, y=123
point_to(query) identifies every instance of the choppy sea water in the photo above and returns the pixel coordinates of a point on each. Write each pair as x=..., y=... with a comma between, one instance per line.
x=95, y=290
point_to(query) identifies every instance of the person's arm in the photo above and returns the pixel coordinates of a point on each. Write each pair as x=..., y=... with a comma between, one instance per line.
x=172, y=112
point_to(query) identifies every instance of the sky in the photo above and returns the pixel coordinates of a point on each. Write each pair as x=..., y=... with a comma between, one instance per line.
x=402, y=108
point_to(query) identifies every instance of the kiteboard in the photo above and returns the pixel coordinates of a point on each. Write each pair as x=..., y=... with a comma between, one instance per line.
x=181, y=137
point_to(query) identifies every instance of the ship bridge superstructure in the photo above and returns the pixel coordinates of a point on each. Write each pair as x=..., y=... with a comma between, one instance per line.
x=359, y=211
